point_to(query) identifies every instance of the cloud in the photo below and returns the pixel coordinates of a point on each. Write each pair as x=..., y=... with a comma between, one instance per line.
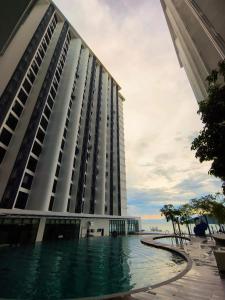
x=131, y=38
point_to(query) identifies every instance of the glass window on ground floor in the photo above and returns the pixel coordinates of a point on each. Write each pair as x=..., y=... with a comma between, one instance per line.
x=117, y=227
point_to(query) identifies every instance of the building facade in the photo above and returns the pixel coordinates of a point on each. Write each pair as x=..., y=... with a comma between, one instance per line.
x=61, y=128
x=198, y=34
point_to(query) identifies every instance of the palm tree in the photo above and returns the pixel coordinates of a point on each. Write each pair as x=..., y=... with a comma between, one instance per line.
x=170, y=213
x=185, y=212
x=209, y=205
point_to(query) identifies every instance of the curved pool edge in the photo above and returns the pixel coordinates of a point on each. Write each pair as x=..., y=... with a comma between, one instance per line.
x=157, y=237
x=151, y=242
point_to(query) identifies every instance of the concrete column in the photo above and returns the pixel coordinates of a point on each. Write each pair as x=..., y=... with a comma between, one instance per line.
x=191, y=60
x=80, y=139
x=63, y=187
x=107, y=194
x=126, y=228
x=100, y=192
x=41, y=229
x=43, y=181
x=115, y=154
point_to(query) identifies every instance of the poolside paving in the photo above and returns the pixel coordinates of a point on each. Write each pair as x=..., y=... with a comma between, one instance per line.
x=201, y=282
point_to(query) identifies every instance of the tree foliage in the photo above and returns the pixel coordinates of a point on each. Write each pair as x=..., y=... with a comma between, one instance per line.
x=169, y=212
x=211, y=204
x=210, y=143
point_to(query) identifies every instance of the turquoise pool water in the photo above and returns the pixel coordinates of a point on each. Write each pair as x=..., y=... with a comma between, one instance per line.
x=84, y=268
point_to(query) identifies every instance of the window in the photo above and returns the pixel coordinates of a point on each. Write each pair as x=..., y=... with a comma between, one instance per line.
x=52, y=27
x=5, y=136
x=44, y=45
x=62, y=144
x=22, y=96
x=36, y=149
x=41, y=53
x=57, y=75
x=54, y=186
x=51, y=203
x=21, y=200
x=68, y=205
x=32, y=164
x=40, y=135
x=27, y=86
x=55, y=84
x=44, y=123
x=47, y=39
x=2, y=154
x=53, y=93
x=65, y=133
x=31, y=75
x=47, y=112
x=38, y=59
x=59, y=69
x=57, y=171
x=17, y=108
x=68, y=113
x=71, y=187
x=60, y=156
x=72, y=177
x=50, y=101
x=34, y=67
x=12, y=122
x=49, y=32
x=76, y=151
x=27, y=181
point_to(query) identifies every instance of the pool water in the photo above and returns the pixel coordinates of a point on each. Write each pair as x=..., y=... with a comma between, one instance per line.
x=173, y=241
x=83, y=268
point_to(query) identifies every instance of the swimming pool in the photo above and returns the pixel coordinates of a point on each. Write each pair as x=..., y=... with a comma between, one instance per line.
x=173, y=241
x=83, y=268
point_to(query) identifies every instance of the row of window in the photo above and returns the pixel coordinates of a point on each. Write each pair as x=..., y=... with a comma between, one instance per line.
x=117, y=226
x=61, y=153
x=133, y=226
x=77, y=151
x=19, y=102
x=89, y=145
x=36, y=150
x=19, y=221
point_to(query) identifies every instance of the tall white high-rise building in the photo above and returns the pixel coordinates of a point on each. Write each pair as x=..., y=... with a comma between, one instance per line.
x=197, y=28
x=61, y=125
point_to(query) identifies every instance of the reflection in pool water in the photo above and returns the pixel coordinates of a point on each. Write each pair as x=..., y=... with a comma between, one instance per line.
x=84, y=268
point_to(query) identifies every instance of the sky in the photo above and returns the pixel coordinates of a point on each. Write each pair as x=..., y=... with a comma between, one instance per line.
x=132, y=40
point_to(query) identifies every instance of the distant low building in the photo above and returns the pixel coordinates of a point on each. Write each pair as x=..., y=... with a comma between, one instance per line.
x=62, y=161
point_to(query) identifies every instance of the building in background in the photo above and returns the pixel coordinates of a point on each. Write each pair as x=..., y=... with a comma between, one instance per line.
x=62, y=162
x=197, y=28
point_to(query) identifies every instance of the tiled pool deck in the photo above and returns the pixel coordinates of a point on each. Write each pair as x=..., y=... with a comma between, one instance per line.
x=201, y=281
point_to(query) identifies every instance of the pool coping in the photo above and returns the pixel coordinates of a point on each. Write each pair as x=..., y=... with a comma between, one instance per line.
x=151, y=242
